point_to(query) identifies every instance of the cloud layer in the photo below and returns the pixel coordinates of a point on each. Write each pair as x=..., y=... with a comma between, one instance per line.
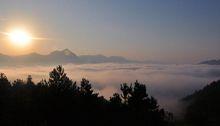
x=168, y=83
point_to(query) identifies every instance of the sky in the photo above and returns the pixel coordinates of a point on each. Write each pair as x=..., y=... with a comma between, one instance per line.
x=173, y=31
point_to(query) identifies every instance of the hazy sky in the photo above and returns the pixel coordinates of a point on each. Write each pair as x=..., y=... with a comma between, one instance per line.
x=178, y=31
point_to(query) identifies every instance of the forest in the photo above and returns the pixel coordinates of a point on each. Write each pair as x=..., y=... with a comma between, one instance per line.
x=60, y=101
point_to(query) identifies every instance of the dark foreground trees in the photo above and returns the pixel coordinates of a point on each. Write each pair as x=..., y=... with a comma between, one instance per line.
x=61, y=102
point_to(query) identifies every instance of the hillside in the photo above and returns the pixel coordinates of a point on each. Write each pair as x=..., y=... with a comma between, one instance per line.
x=203, y=106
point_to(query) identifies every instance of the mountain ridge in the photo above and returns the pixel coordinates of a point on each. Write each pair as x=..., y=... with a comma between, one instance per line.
x=211, y=62
x=64, y=56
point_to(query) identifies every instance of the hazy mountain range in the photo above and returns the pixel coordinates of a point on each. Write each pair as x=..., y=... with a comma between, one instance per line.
x=66, y=56
x=60, y=57
x=211, y=62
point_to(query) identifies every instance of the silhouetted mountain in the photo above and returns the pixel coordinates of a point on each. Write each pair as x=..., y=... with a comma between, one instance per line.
x=60, y=57
x=211, y=62
x=62, y=53
x=203, y=106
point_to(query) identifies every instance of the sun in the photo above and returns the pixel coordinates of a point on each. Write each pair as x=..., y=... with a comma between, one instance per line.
x=20, y=37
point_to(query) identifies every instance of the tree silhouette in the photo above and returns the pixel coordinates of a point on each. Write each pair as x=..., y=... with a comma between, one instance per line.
x=59, y=101
x=19, y=83
x=86, y=88
x=29, y=81
x=138, y=95
x=59, y=81
x=139, y=106
x=126, y=90
x=4, y=84
x=116, y=99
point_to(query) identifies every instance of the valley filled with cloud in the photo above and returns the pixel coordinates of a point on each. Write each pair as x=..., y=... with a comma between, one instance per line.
x=167, y=83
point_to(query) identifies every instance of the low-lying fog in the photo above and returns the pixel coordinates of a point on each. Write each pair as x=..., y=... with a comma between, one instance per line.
x=167, y=83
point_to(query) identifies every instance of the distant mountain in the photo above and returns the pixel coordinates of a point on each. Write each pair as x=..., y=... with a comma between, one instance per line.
x=103, y=59
x=211, y=62
x=60, y=57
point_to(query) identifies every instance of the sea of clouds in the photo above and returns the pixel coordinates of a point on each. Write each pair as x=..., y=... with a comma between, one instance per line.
x=167, y=83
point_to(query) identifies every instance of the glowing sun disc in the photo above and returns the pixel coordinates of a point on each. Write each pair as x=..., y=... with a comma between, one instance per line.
x=19, y=37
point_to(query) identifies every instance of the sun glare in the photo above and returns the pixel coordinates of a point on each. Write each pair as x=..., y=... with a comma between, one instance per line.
x=19, y=37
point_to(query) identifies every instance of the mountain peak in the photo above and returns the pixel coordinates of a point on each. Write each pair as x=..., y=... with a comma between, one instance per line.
x=65, y=52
